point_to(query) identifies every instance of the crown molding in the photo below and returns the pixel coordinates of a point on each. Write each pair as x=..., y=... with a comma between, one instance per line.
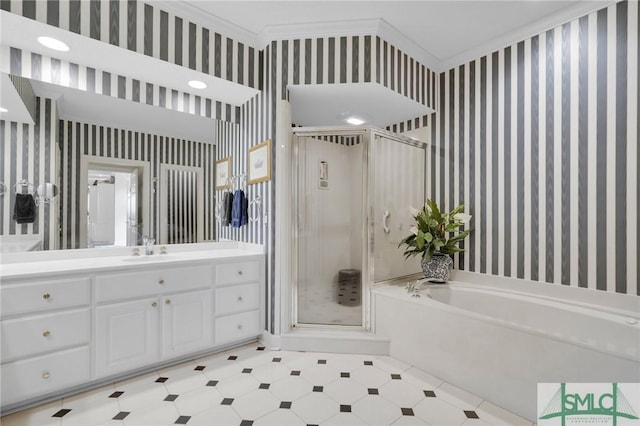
x=193, y=13
x=392, y=35
x=576, y=10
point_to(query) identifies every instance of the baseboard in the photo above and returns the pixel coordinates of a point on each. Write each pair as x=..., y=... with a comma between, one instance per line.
x=270, y=341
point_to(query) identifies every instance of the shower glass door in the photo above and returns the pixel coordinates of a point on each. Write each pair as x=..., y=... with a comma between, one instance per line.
x=330, y=227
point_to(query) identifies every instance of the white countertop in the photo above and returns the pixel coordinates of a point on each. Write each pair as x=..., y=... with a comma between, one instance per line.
x=59, y=263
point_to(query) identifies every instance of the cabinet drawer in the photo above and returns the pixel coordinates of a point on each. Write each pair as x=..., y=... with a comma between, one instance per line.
x=150, y=283
x=29, y=336
x=237, y=298
x=45, y=374
x=238, y=272
x=237, y=327
x=44, y=295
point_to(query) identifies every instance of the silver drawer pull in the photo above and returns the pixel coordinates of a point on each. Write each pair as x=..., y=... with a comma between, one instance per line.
x=46, y=334
x=240, y=273
x=46, y=296
x=239, y=326
x=239, y=298
x=45, y=375
x=167, y=302
x=154, y=304
x=161, y=282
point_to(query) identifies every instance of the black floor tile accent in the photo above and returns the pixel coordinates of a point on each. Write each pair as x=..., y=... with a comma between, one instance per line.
x=276, y=360
x=264, y=386
x=368, y=363
x=246, y=423
x=247, y=370
x=373, y=391
x=345, y=408
x=396, y=377
x=232, y=358
x=285, y=404
x=182, y=420
x=347, y=375
x=121, y=415
x=227, y=401
x=430, y=394
x=308, y=424
x=318, y=388
x=471, y=414
x=260, y=348
x=116, y=394
x=62, y=412
x=212, y=382
x=407, y=412
x=322, y=361
x=162, y=379
x=171, y=397
x=295, y=373
x=200, y=367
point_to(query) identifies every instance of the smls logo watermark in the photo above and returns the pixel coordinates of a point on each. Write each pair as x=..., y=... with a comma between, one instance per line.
x=615, y=404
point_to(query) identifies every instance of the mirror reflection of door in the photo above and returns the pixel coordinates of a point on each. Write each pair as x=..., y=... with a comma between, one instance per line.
x=181, y=204
x=112, y=207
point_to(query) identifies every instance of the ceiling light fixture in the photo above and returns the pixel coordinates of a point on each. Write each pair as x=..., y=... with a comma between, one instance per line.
x=3, y=109
x=355, y=121
x=53, y=43
x=197, y=84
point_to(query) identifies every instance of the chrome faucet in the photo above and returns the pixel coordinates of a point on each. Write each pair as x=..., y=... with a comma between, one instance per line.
x=148, y=245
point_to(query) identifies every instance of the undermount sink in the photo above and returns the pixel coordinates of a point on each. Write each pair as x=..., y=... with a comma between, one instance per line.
x=151, y=258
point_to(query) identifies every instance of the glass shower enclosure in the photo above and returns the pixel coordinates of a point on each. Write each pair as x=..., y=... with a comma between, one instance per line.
x=352, y=193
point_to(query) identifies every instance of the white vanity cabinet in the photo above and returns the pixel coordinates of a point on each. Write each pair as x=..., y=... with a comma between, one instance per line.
x=98, y=320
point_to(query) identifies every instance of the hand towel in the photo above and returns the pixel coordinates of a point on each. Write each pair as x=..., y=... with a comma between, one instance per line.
x=25, y=209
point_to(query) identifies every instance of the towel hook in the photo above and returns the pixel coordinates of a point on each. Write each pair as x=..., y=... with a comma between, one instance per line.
x=23, y=185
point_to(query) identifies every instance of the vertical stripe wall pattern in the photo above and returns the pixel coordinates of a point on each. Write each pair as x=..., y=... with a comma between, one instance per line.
x=540, y=141
x=78, y=139
x=30, y=151
x=146, y=29
x=47, y=69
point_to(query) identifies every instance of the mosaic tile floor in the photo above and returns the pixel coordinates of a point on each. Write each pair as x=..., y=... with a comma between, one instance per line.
x=252, y=386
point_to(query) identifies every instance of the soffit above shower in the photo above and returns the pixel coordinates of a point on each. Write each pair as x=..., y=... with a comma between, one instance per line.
x=331, y=104
x=439, y=33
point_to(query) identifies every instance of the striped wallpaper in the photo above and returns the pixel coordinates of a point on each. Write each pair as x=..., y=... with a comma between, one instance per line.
x=51, y=70
x=78, y=139
x=29, y=151
x=148, y=30
x=540, y=141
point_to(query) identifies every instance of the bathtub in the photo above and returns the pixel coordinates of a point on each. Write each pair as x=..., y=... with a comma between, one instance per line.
x=499, y=340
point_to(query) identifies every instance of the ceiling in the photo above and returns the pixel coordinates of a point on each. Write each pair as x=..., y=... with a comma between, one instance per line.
x=442, y=33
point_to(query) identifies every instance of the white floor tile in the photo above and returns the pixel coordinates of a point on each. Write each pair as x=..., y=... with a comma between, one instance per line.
x=191, y=403
x=348, y=362
x=142, y=380
x=320, y=374
x=390, y=365
x=37, y=416
x=90, y=408
x=218, y=369
x=375, y=410
x=315, y=408
x=409, y=421
x=371, y=376
x=255, y=404
x=290, y=388
x=188, y=382
x=344, y=419
x=421, y=379
x=300, y=362
x=280, y=417
x=458, y=397
x=438, y=412
x=219, y=415
x=345, y=391
x=142, y=398
x=493, y=414
x=271, y=372
x=401, y=393
x=238, y=385
x=159, y=415
x=179, y=370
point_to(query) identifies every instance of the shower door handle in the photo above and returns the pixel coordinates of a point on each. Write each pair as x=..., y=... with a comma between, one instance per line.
x=385, y=218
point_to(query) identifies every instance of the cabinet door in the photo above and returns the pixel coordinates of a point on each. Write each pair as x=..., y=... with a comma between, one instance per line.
x=126, y=336
x=186, y=323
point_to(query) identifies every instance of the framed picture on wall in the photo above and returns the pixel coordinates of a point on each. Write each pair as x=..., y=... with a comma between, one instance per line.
x=259, y=166
x=223, y=172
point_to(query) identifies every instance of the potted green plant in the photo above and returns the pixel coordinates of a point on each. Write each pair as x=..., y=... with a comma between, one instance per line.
x=435, y=237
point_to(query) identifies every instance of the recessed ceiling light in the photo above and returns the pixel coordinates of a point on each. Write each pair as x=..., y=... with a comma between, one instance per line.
x=3, y=109
x=355, y=121
x=53, y=43
x=197, y=84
